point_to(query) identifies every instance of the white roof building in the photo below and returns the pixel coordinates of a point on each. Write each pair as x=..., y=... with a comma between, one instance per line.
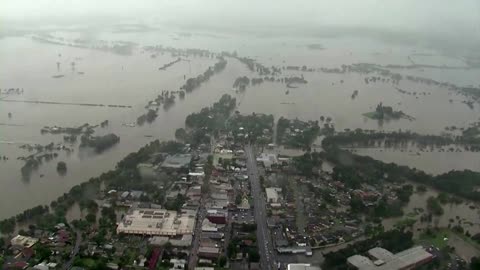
x=302, y=266
x=41, y=266
x=178, y=263
x=267, y=159
x=272, y=194
x=23, y=241
x=385, y=260
x=147, y=221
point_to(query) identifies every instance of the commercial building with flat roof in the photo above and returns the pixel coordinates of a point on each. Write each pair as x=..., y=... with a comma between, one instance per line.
x=147, y=221
x=21, y=241
x=267, y=159
x=382, y=259
x=177, y=161
x=302, y=266
x=272, y=194
x=209, y=252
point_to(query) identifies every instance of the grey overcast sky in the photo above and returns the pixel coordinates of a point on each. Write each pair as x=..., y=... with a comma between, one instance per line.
x=459, y=18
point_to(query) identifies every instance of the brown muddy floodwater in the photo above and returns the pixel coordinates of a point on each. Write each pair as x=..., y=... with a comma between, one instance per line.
x=465, y=214
x=135, y=79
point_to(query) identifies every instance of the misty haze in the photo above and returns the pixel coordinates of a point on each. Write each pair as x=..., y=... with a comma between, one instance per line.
x=203, y=134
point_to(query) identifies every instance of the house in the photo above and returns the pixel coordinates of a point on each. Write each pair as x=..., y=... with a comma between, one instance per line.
x=21, y=241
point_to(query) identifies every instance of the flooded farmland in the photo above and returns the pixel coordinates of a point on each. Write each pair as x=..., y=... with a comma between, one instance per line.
x=132, y=80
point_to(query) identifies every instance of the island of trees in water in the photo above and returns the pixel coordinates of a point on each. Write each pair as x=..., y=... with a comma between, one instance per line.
x=42, y=153
x=386, y=112
x=193, y=83
x=241, y=83
x=395, y=78
x=117, y=47
x=99, y=143
x=403, y=139
x=167, y=65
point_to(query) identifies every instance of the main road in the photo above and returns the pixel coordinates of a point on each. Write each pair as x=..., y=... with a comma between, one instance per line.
x=265, y=247
x=193, y=258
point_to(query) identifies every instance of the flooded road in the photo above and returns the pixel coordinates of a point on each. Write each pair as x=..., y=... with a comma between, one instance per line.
x=133, y=80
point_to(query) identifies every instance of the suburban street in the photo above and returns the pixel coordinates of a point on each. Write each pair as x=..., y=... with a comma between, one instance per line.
x=75, y=250
x=265, y=246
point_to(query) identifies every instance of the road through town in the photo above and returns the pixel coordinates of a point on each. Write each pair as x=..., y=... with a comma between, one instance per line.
x=267, y=254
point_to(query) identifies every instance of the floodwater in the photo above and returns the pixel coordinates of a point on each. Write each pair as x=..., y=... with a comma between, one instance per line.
x=466, y=214
x=433, y=162
x=135, y=79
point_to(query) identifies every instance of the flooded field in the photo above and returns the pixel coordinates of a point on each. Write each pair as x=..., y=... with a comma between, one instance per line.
x=103, y=77
x=465, y=214
x=434, y=162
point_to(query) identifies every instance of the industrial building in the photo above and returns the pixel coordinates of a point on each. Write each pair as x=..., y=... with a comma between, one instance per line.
x=382, y=259
x=147, y=221
x=177, y=161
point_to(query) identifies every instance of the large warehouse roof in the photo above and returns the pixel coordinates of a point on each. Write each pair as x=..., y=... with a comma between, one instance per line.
x=385, y=260
x=158, y=222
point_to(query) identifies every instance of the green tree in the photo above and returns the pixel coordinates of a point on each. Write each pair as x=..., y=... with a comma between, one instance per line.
x=181, y=134
x=253, y=255
x=222, y=261
x=42, y=252
x=99, y=238
x=356, y=204
x=404, y=193
x=238, y=199
x=475, y=263
x=421, y=188
x=434, y=207
x=91, y=218
x=7, y=226
x=232, y=248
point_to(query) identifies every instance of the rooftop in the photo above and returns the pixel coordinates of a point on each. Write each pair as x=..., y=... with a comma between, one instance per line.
x=381, y=254
x=177, y=161
x=158, y=222
x=267, y=159
x=272, y=193
x=23, y=241
x=302, y=266
x=385, y=260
